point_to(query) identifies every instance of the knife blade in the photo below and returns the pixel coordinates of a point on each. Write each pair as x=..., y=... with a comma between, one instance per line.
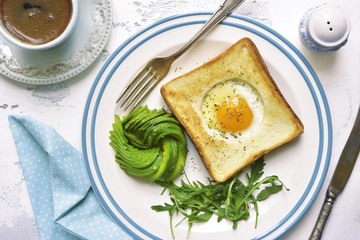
x=340, y=177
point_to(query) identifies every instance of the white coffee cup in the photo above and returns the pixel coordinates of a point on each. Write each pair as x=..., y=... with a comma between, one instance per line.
x=54, y=42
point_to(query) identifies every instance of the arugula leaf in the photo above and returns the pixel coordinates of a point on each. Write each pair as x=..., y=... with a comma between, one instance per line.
x=272, y=189
x=264, y=194
x=256, y=171
x=231, y=200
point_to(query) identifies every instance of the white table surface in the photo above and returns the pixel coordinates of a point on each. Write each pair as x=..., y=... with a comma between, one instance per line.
x=61, y=105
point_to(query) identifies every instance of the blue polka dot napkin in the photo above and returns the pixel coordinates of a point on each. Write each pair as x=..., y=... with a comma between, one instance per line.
x=64, y=204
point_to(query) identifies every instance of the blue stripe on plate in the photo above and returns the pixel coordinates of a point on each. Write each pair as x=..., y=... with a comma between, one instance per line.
x=236, y=25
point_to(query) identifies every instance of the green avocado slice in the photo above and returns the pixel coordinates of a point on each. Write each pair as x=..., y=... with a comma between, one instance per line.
x=149, y=144
x=167, y=163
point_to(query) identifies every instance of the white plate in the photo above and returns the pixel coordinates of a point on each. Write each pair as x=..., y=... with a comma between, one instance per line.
x=301, y=164
x=66, y=60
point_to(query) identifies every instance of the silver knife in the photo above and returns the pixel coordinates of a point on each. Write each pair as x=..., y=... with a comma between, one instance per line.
x=340, y=177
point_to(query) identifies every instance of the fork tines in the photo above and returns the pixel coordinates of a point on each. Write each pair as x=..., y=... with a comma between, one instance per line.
x=137, y=88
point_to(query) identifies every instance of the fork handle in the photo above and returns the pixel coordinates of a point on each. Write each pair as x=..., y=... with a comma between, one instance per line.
x=224, y=10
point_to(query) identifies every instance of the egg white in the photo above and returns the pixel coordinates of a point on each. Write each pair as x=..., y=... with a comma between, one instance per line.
x=217, y=94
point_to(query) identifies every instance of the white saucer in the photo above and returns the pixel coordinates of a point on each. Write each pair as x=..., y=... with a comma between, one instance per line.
x=66, y=60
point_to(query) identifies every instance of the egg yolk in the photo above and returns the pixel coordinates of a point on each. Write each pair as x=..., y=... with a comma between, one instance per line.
x=234, y=114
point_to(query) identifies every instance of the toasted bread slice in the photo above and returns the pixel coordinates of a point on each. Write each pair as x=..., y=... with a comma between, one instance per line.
x=222, y=156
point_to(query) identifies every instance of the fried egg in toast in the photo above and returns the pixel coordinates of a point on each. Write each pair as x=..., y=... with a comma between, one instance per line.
x=232, y=109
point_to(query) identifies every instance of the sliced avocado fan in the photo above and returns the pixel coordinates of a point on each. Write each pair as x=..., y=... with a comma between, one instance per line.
x=149, y=144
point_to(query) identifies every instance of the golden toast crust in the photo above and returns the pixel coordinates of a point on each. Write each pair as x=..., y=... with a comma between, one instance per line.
x=184, y=95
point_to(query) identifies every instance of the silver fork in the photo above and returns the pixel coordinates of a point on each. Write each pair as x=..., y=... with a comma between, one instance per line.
x=156, y=69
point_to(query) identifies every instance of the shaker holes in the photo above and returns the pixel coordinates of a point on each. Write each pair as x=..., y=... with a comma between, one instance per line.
x=328, y=22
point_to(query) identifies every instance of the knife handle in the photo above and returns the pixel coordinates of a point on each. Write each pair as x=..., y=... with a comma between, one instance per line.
x=323, y=215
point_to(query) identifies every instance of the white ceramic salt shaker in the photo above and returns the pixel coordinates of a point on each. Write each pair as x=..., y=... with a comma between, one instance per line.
x=324, y=28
